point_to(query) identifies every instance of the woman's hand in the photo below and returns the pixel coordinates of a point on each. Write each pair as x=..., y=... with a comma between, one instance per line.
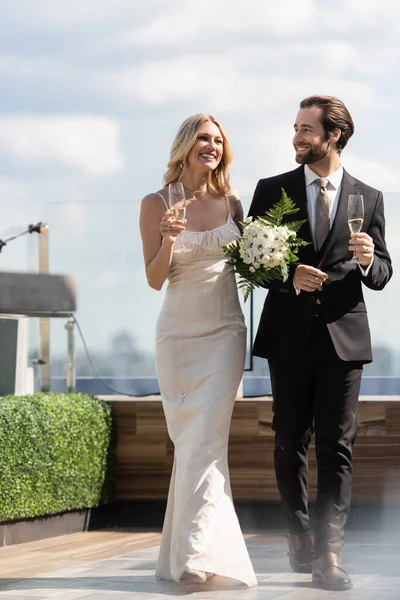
x=158, y=230
x=170, y=227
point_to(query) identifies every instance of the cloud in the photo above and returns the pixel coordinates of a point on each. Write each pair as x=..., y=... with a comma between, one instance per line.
x=87, y=143
x=22, y=66
x=189, y=21
x=221, y=83
x=40, y=15
x=358, y=15
x=11, y=189
x=171, y=81
x=374, y=172
x=247, y=56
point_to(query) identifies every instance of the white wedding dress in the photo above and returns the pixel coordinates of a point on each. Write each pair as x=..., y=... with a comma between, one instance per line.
x=200, y=352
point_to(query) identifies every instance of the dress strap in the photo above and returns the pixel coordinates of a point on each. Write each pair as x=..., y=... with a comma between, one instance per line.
x=163, y=199
x=228, y=206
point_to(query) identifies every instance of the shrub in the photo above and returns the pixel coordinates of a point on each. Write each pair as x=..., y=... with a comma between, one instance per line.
x=54, y=454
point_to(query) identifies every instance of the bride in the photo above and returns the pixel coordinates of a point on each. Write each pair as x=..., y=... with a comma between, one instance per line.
x=200, y=352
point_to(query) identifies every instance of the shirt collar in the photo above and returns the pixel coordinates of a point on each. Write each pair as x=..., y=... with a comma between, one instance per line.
x=335, y=178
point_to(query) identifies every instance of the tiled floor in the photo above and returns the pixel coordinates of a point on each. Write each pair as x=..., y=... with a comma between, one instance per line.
x=373, y=562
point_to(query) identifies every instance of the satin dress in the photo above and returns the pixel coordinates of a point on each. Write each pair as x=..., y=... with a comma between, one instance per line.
x=200, y=353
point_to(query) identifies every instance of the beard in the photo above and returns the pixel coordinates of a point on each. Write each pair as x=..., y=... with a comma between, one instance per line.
x=314, y=154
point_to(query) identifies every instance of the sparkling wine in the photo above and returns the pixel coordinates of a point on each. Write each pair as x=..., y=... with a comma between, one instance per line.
x=180, y=214
x=355, y=225
x=177, y=202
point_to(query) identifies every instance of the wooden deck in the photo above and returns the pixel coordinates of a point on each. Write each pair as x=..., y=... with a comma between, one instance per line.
x=111, y=565
x=77, y=549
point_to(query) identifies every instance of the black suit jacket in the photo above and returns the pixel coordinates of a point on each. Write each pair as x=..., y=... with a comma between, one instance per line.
x=286, y=321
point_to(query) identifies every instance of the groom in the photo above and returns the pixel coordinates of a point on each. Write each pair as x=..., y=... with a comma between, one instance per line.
x=314, y=332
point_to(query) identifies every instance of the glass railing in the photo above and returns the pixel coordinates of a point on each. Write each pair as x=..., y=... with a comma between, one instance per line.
x=99, y=244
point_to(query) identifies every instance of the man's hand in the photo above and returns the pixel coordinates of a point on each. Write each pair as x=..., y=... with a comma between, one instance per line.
x=363, y=246
x=308, y=278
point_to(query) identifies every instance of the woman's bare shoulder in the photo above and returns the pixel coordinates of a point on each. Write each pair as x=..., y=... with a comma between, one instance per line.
x=154, y=200
x=234, y=195
x=235, y=203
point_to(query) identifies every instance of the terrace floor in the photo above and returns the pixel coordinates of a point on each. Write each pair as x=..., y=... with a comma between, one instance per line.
x=117, y=565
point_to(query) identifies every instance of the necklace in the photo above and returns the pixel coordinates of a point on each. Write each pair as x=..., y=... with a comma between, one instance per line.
x=194, y=192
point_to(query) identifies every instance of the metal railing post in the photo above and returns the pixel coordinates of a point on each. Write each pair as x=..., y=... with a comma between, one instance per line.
x=70, y=366
x=251, y=333
x=44, y=325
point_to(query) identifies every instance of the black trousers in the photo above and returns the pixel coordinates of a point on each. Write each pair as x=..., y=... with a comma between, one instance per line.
x=315, y=393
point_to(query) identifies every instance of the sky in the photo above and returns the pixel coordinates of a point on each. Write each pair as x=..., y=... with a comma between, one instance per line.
x=93, y=93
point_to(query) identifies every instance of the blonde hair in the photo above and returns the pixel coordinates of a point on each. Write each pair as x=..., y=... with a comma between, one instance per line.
x=218, y=180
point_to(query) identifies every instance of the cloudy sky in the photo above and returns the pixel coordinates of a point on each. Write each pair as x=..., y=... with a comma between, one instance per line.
x=93, y=92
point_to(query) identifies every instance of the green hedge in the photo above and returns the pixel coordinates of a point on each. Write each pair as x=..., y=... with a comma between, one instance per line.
x=55, y=454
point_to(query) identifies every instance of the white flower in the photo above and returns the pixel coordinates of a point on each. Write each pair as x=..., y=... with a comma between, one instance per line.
x=263, y=246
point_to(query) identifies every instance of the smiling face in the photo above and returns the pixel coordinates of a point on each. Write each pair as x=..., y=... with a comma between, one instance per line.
x=311, y=142
x=206, y=152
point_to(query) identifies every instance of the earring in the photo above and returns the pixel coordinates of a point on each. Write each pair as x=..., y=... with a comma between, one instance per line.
x=181, y=163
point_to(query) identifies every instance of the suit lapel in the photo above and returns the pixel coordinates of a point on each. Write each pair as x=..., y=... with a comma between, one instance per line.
x=349, y=186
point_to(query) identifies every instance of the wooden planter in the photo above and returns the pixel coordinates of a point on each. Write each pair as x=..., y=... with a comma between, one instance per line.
x=145, y=452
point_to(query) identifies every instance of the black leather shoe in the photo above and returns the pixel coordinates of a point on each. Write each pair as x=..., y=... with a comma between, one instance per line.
x=301, y=552
x=329, y=575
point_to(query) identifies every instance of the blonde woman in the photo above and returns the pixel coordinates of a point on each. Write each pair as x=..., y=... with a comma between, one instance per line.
x=200, y=352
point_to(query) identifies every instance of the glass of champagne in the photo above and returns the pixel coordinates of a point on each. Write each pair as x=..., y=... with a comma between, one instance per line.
x=177, y=203
x=355, y=216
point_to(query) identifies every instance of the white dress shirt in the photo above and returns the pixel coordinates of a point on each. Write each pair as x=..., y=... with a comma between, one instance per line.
x=333, y=190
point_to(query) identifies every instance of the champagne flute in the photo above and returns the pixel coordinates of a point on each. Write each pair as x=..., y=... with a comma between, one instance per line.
x=177, y=202
x=355, y=216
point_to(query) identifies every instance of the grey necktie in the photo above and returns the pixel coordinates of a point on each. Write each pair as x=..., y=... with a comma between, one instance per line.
x=322, y=224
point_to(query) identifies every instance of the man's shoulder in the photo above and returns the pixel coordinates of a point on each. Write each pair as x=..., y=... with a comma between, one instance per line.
x=282, y=177
x=364, y=187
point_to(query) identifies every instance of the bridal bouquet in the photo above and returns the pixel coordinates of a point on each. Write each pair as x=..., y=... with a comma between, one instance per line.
x=266, y=247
